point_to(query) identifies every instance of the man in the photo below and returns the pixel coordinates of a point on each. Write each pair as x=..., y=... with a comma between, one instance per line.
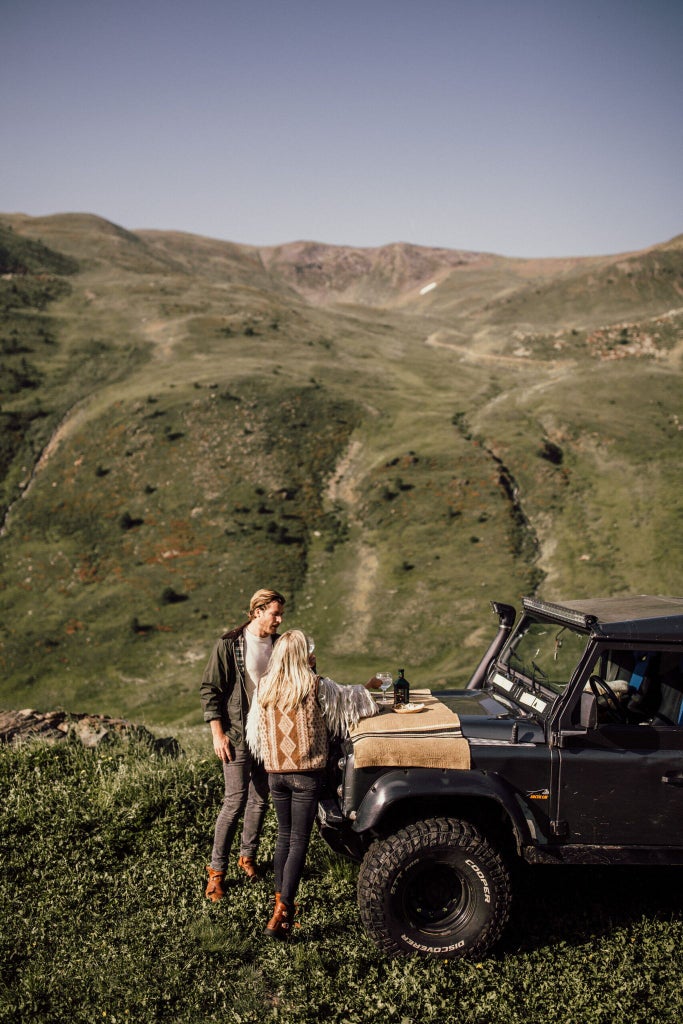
x=236, y=664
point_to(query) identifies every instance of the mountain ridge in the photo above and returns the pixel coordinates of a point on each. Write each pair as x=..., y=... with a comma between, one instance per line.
x=293, y=259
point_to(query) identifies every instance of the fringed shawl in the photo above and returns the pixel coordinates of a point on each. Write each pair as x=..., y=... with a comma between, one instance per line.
x=342, y=708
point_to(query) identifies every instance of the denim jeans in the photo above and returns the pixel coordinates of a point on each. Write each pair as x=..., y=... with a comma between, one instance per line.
x=246, y=790
x=295, y=798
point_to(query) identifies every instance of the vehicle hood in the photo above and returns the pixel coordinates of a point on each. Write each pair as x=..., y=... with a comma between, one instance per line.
x=483, y=716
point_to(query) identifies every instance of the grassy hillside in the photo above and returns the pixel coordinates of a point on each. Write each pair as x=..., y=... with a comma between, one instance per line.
x=186, y=420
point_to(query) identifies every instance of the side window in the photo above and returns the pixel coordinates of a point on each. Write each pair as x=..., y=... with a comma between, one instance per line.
x=618, y=668
x=637, y=687
x=667, y=686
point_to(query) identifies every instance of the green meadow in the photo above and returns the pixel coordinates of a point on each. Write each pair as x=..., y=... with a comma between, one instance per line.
x=104, y=919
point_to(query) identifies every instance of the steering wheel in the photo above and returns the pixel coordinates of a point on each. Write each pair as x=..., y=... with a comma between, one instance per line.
x=610, y=702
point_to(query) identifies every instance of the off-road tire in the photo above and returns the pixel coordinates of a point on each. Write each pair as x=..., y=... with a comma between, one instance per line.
x=437, y=888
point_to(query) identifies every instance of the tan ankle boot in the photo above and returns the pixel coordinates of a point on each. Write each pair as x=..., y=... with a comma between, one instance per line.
x=276, y=899
x=278, y=926
x=249, y=867
x=215, y=890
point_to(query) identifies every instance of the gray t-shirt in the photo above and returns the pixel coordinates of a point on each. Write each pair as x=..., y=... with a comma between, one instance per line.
x=257, y=652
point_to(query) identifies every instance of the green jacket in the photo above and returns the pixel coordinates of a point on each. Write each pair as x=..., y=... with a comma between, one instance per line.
x=223, y=688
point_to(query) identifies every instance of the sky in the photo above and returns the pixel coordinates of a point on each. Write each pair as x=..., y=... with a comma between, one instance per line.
x=522, y=127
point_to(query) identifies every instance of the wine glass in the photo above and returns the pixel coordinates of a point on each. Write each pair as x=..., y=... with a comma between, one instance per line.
x=310, y=644
x=385, y=682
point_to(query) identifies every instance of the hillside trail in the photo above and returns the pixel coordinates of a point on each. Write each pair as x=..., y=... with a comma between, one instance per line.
x=435, y=340
x=553, y=370
x=344, y=485
x=676, y=351
x=342, y=489
x=72, y=419
x=163, y=334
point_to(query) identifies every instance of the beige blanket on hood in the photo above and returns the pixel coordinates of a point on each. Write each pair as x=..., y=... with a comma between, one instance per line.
x=428, y=739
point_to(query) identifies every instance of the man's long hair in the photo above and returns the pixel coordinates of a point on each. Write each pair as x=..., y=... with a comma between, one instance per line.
x=289, y=677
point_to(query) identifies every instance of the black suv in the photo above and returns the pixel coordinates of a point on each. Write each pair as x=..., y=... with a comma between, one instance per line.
x=574, y=723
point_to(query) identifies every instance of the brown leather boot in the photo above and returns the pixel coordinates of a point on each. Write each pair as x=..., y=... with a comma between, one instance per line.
x=278, y=926
x=276, y=899
x=249, y=867
x=215, y=890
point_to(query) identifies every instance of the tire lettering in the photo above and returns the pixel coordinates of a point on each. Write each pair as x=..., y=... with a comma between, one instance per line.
x=482, y=878
x=432, y=949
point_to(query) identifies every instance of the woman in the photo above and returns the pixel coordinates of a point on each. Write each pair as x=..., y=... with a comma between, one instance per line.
x=292, y=716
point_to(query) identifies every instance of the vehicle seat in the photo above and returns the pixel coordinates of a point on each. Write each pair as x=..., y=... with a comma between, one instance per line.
x=644, y=686
x=670, y=708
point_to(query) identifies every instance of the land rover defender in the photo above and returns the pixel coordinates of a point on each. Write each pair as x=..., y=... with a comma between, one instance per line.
x=573, y=725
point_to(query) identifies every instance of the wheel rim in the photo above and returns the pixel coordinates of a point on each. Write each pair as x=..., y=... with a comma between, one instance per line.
x=436, y=898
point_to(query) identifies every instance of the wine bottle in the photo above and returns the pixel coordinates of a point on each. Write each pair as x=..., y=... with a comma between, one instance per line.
x=401, y=689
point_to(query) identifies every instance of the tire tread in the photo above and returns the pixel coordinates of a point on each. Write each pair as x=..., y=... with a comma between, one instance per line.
x=385, y=856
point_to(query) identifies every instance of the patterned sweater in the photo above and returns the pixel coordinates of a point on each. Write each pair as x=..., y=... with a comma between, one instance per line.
x=298, y=740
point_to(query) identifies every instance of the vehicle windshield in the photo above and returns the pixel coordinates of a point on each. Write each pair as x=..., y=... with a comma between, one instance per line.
x=541, y=653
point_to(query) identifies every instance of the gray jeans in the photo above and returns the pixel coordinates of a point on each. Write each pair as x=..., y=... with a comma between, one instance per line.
x=246, y=790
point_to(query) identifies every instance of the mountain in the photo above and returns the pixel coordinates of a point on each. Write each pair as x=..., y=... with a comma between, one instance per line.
x=392, y=436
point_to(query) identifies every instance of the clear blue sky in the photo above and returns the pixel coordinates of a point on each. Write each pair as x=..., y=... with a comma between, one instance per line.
x=522, y=127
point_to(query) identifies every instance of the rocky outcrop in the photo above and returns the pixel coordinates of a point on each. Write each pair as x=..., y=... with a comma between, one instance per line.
x=369, y=276
x=90, y=730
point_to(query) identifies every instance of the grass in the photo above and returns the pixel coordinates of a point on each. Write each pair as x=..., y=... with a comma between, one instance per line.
x=104, y=919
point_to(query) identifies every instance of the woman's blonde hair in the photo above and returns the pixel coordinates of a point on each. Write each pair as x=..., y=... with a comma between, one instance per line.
x=289, y=677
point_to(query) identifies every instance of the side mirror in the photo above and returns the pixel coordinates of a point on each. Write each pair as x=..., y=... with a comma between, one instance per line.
x=589, y=711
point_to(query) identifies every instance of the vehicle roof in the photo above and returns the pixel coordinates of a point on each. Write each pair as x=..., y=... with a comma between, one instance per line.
x=638, y=617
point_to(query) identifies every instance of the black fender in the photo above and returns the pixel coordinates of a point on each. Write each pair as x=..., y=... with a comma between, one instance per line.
x=415, y=784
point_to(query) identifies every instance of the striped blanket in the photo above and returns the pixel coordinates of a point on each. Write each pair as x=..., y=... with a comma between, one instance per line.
x=428, y=739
